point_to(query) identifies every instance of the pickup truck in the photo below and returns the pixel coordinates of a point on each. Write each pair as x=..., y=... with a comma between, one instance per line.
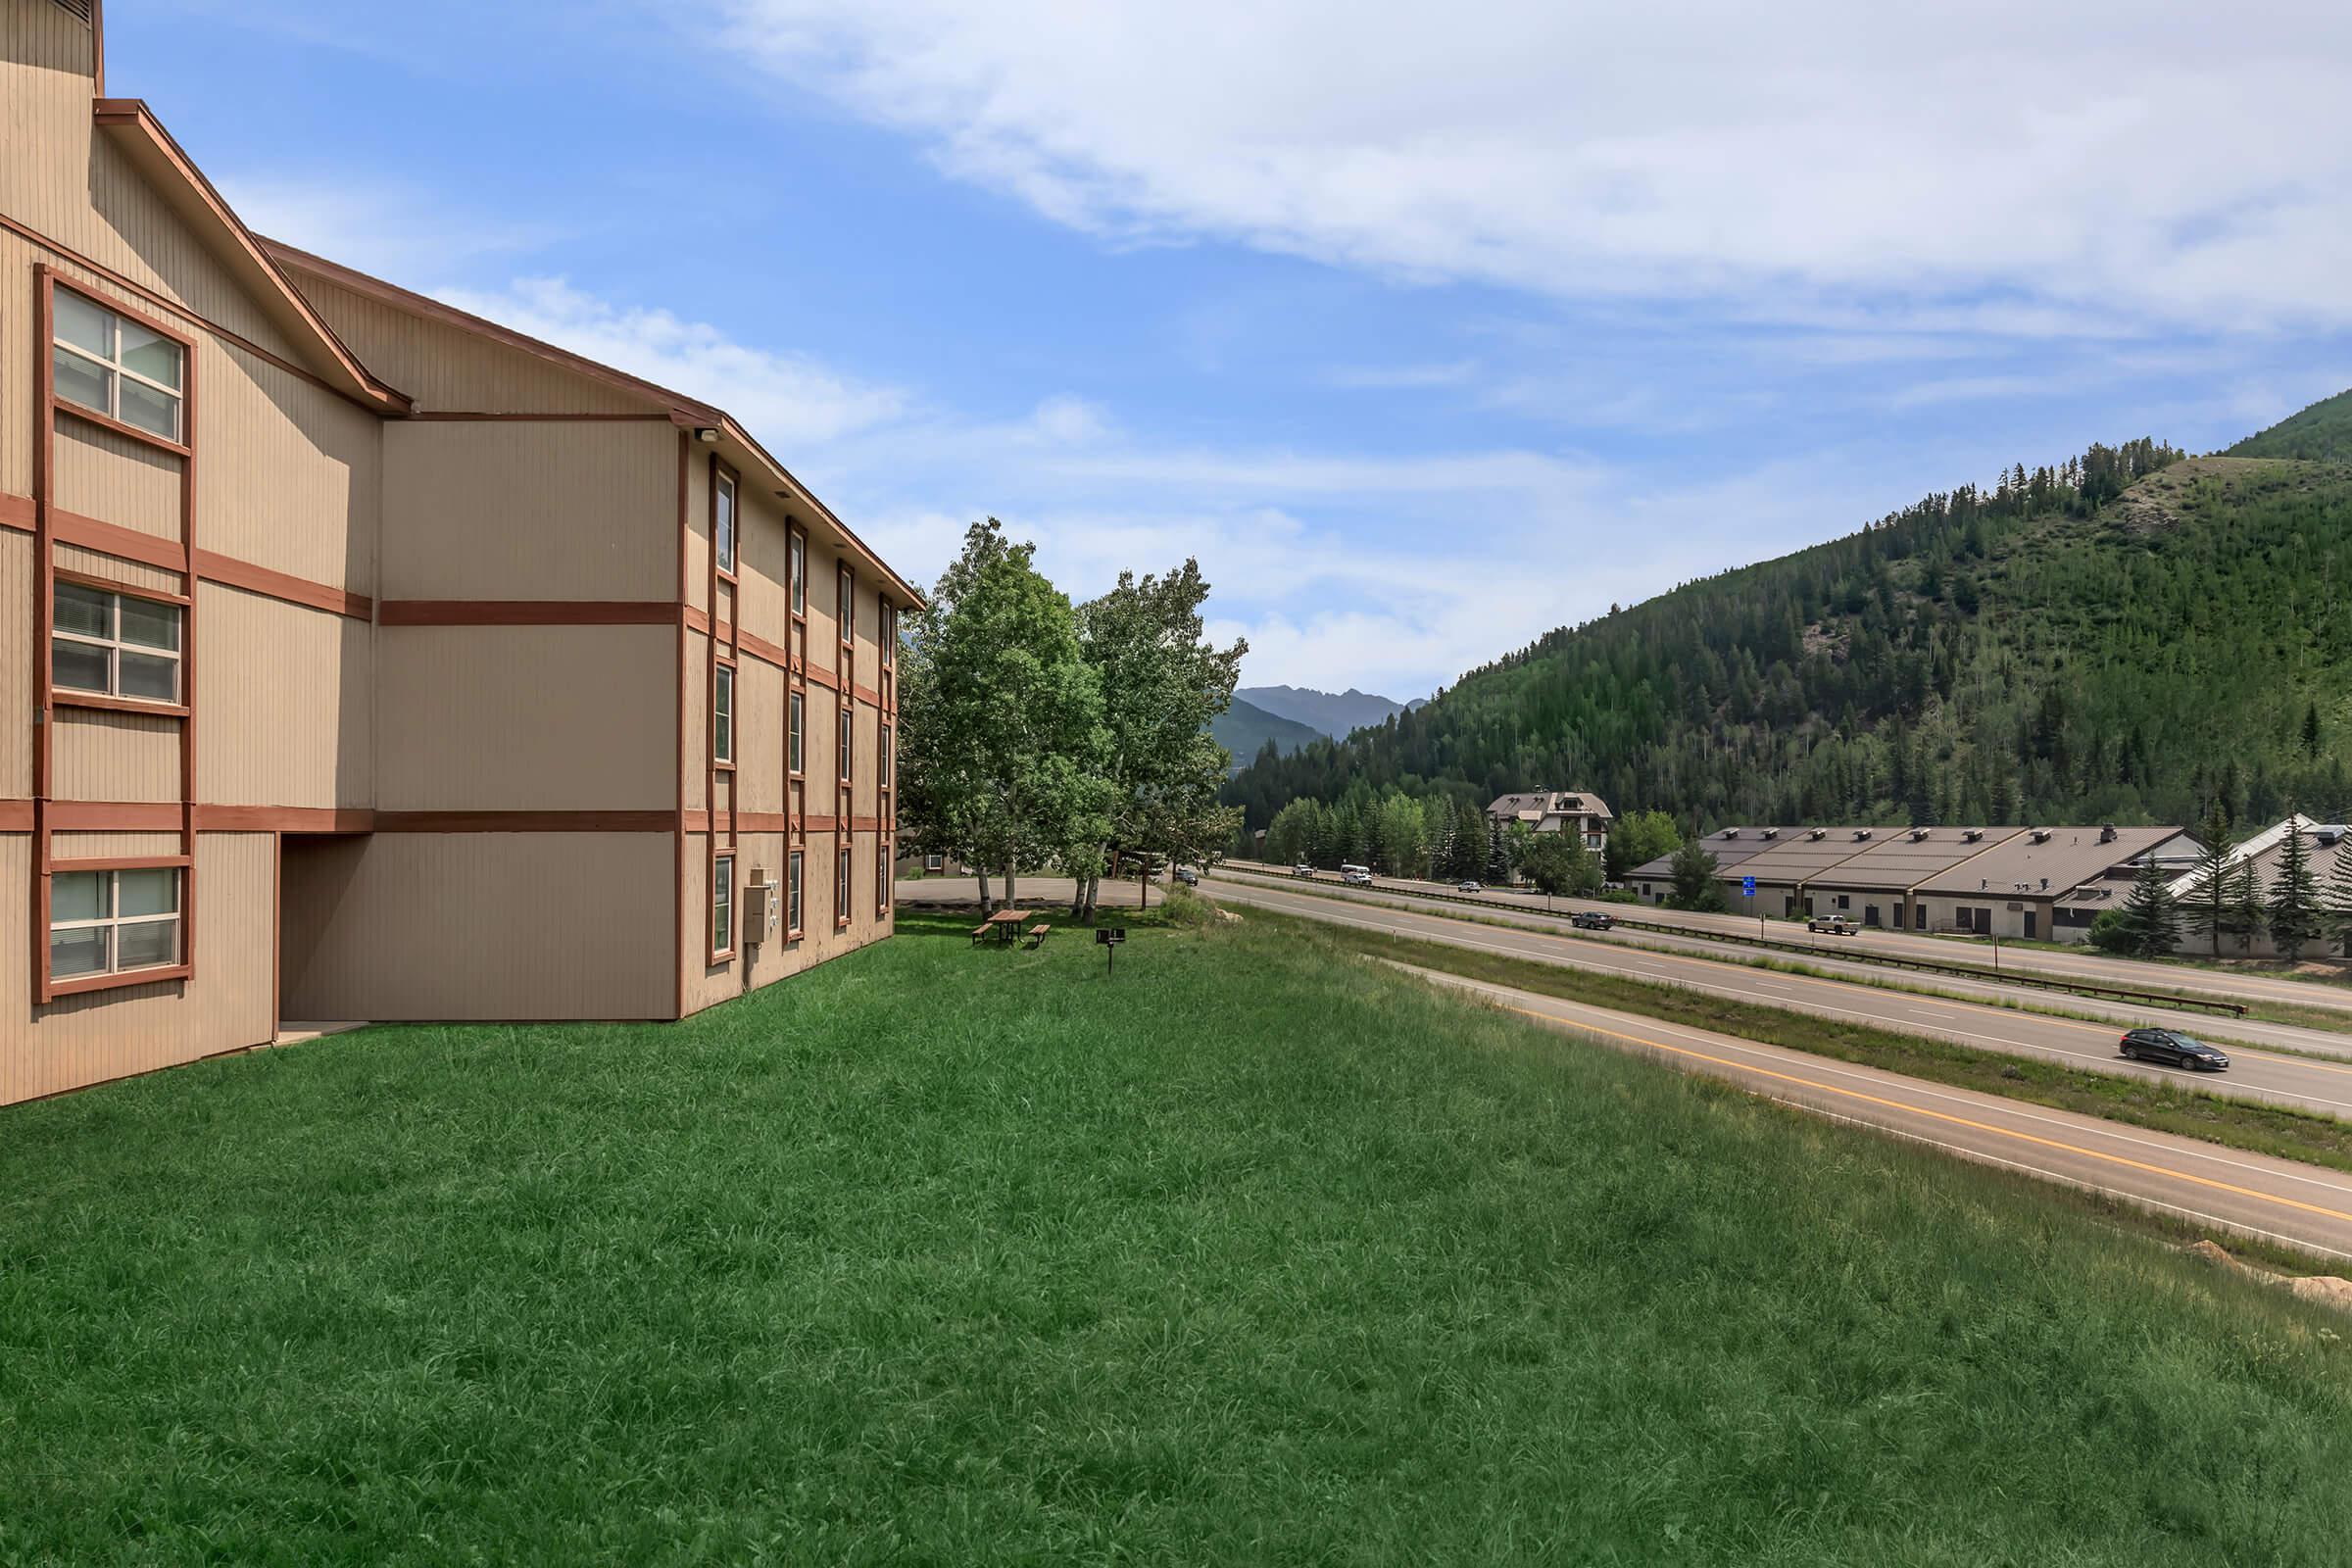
x=1836, y=925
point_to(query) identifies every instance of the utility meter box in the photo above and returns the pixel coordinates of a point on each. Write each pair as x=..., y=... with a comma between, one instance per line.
x=760, y=906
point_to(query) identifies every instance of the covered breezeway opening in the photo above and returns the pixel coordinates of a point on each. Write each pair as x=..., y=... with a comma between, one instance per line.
x=315, y=873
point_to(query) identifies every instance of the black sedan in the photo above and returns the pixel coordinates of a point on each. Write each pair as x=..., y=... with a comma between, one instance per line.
x=2171, y=1045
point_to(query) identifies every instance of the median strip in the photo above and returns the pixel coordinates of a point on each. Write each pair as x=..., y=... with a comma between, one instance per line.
x=2252, y=1126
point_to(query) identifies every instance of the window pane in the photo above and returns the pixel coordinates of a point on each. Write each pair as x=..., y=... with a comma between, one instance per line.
x=148, y=945
x=150, y=892
x=150, y=624
x=146, y=676
x=723, y=526
x=798, y=704
x=80, y=381
x=77, y=666
x=150, y=410
x=83, y=324
x=723, y=904
x=76, y=896
x=151, y=355
x=723, y=716
x=83, y=610
x=799, y=575
x=78, y=952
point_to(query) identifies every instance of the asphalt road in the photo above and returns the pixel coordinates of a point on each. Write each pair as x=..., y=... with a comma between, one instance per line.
x=2277, y=1200
x=2096, y=968
x=1832, y=959
x=2258, y=1075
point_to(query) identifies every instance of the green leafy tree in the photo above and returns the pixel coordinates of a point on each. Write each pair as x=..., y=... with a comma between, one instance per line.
x=2149, y=924
x=1560, y=865
x=1002, y=714
x=2294, y=905
x=1470, y=844
x=1638, y=840
x=1162, y=683
x=2207, y=908
x=1694, y=885
x=1499, y=856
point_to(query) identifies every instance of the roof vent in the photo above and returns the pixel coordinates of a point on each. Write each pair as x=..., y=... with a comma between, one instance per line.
x=2045, y=884
x=1861, y=835
x=1970, y=834
x=79, y=9
x=1730, y=832
x=1918, y=835
x=2041, y=835
x=2107, y=834
x=1819, y=834
x=2328, y=835
x=1771, y=833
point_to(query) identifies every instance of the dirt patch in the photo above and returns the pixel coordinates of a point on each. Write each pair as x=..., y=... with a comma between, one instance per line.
x=2325, y=1289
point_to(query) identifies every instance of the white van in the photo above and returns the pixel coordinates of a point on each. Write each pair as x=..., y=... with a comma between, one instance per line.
x=1356, y=876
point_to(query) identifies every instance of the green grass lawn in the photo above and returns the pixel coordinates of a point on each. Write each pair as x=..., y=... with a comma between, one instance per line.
x=1252, y=1255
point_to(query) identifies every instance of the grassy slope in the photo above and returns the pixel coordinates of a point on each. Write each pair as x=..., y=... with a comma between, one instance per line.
x=1249, y=1256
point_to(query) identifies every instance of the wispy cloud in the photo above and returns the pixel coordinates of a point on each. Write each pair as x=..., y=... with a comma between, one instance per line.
x=396, y=229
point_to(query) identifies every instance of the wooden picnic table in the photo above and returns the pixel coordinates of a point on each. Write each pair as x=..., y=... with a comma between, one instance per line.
x=1009, y=922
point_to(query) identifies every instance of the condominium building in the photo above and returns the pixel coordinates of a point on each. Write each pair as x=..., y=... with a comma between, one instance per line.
x=372, y=662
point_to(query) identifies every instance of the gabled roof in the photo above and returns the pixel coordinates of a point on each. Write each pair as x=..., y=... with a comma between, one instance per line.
x=1728, y=845
x=683, y=410
x=131, y=126
x=2046, y=862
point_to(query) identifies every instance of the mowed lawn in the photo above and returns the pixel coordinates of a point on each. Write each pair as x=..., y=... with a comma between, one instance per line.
x=1251, y=1254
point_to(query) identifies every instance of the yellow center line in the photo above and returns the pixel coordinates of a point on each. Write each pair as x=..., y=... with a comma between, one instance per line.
x=1937, y=1115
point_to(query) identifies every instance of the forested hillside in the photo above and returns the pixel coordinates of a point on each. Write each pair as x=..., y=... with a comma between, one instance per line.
x=2321, y=434
x=2121, y=637
x=1245, y=729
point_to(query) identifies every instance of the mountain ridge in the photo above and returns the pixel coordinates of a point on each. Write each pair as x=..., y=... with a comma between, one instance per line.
x=1335, y=714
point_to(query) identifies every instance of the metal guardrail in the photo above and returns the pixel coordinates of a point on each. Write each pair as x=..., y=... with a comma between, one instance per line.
x=2039, y=982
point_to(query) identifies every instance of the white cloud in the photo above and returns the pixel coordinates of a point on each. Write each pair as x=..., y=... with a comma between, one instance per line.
x=2096, y=163
x=782, y=399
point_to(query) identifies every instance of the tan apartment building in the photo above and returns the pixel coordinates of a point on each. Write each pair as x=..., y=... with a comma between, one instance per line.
x=372, y=662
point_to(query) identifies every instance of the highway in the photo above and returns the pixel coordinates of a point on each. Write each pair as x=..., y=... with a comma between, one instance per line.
x=2093, y=967
x=2277, y=1200
x=1837, y=961
x=2275, y=1078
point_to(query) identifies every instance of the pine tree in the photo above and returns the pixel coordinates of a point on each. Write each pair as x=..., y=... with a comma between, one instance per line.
x=2208, y=906
x=2151, y=925
x=2311, y=731
x=2295, y=896
x=1499, y=856
x=2338, y=897
x=2242, y=908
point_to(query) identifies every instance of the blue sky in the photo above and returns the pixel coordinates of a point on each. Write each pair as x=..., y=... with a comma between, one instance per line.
x=1425, y=330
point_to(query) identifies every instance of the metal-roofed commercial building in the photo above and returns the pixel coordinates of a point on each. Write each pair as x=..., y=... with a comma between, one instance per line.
x=2015, y=888
x=1732, y=847
x=2323, y=841
x=1783, y=871
x=1878, y=884
x=376, y=662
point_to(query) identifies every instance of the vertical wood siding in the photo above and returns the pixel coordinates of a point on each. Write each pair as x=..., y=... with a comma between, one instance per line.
x=287, y=703
x=116, y=479
x=90, y=1038
x=114, y=757
x=291, y=477
x=478, y=925
x=526, y=717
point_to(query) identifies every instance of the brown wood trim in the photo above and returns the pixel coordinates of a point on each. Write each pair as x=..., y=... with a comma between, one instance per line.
x=129, y=432
x=526, y=613
x=822, y=676
x=16, y=816
x=112, y=539
x=125, y=862
x=67, y=698
x=284, y=819
x=469, y=416
x=872, y=699
x=234, y=340
x=116, y=585
x=149, y=322
x=16, y=511
x=231, y=572
x=654, y=821
x=132, y=114
x=112, y=817
x=136, y=977
x=761, y=648
x=744, y=822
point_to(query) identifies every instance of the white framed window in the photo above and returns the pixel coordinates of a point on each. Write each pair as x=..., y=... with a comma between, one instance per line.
x=791, y=895
x=847, y=610
x=882, y=758
x=800, y=573
x=841, y=889
x=800, y=715
x=112, y=366
x=114, y=644
x=881, y=876
x=722, y=712
x=113, y=922
x=889, y=633
x=848, y=721
x=722, y=905
x=722, y=521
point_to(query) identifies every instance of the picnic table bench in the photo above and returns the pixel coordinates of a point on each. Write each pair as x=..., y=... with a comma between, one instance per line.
x=1007, y=924
x=1038, y=934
